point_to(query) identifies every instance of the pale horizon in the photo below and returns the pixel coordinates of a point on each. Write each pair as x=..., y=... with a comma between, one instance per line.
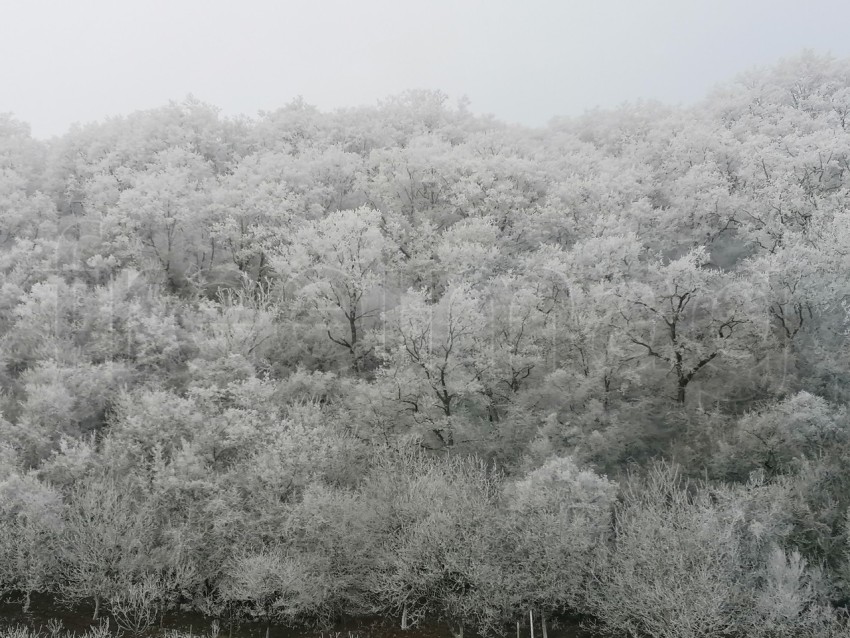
x=85, y=62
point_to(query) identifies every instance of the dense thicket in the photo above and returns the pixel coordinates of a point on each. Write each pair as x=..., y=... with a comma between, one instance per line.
x=411, y=361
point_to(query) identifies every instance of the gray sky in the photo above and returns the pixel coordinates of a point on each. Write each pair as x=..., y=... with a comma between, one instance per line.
x=63, y=61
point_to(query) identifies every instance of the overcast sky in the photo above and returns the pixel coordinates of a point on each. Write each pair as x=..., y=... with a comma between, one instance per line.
x=65, y=61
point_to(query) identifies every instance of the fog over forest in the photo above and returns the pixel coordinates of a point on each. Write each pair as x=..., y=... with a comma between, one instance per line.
x=412, y=363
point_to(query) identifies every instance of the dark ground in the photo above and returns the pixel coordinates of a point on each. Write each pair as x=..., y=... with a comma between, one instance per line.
x=77, y=620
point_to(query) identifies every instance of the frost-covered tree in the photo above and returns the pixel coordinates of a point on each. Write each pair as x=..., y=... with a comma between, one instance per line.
x=336, y=267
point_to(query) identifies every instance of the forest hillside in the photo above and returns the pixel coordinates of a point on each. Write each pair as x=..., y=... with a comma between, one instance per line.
x=412, y=362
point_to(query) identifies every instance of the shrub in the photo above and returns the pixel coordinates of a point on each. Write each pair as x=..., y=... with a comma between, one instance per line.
x=30, y=525
x=437, y=519
x=555, y=520
x=274, y=585
x=674, y=567
x=108, y=539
